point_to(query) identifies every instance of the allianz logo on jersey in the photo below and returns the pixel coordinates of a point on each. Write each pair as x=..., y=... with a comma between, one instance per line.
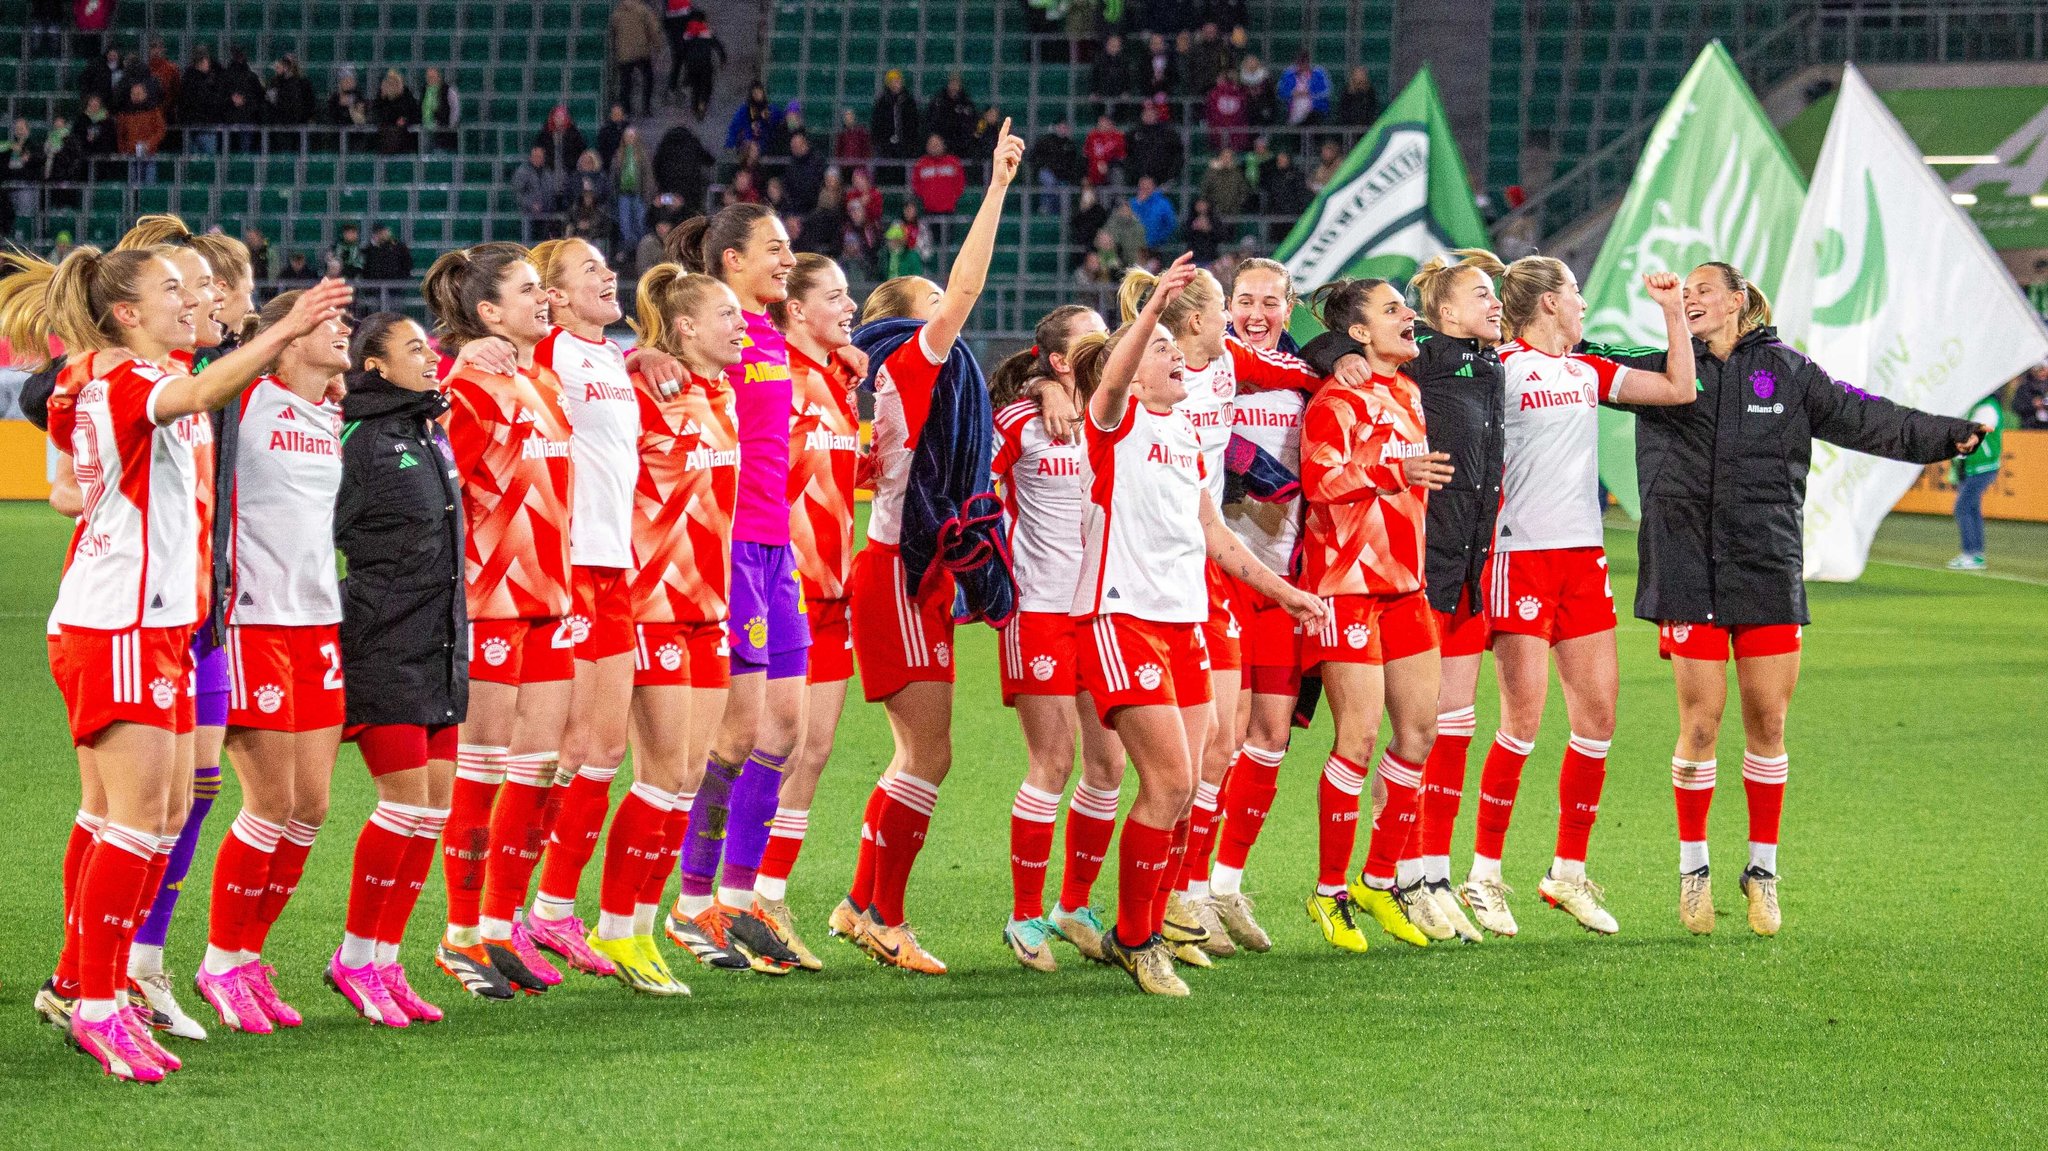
x=542, y=448
x=1213, y=418
x=597, y=391
x=1161, y=454
x=826, y=440
x=1587, y=397
x=302, y=443
x=697, y=459
x=1060, y=464
x=1392, y=450
x=194, y=430
x=1262, y=418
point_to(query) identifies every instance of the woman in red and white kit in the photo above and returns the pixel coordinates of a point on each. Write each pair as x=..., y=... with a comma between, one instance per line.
x=132, y=590
x=1547, y=590
x=285, y=698
x=1150, y=526
x=1040, y=469
x=512, y=447
x=904, y=641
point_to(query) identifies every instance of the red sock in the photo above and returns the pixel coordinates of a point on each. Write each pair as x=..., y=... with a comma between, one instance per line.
x=1763, y=783
x=634, y=846
x=378, y=865
x=516, y=834
x=466, y=839
x=241, y=872
x=1249, y=788
x=1337, y=821
x=412, y=876
x=1578, y=794
x=1169, y=879
x=673, y=829
x=287, y=867
x=862, y=893
x=77, y=857
x=1091, y=821
x=109, y=892
x=1443, y=781
x=785, y=839
x=1396, y=822
x=899, y=836
x=574, y=837
x=1032, y=816
x=1141, y=865
x=1201, y=835
x=159, y=862
x=1499, y=780
x=1692, y=786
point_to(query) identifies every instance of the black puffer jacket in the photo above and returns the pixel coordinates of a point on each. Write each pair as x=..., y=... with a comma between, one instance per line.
x=1723, y=479
x=1464, y=404
x=398, y=522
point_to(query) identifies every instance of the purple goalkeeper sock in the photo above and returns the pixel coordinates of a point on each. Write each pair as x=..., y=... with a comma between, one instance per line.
x=705, y=839
x=205, y=788
x=753, y=809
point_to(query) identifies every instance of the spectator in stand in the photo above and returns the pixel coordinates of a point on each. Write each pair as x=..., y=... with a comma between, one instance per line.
x=1258, y=88
x=951, y=115
x=1155, y=148
x=440, y=109
x=591, y=221
x=47, y=22
x=987, y=130
x=649, y=252
x=788, y=125
x=1091, y=272
x=202, y=101
x=804, y=175
x=824, y=225
x=752, y=121
x=102, y=77
x=387, y=257
x=1240, y=45
x=853, y=146
x=632, y=176
x=703, y=55
x=1282, y=192
x=861, y=190
x=1305, y=93
x=1328, y=160
x=590, y=176
x=1228, y=114
x=1258, y=159
x=858, y=237
x=260, y=255
x=1113, y=77
x=21, y=169
x=1207, y=56
x=2030, y=398
x=675, y=24
x=1126, y=233
x=163, y=71
x=742, y=189
x=1087, y=218
x=1360, y=103
x=1158, y=71
x=246, y=102
x=634, y=31
x=345, y=106
x=537, y=186
x=139, y=131
x=347, y=252
x=1103, y=149
x=1155, y=213
x=938, y=180
x=615, y=125
x=1224, y=185
x=899, y=257
x=914, y=232
x=98, y=136
x=1204, y=233
x=893, y=121
x=1055, y=162
x=396, y=112
x=681, y=167
x=297, y=270
x=775, y=199
x=561, y=140
x=290, y=96
x=63, y=163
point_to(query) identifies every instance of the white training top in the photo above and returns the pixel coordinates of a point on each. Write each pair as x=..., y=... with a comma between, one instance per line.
x=604, y=445
x=903, y=397
x=1143, y=550
x=281, y=567
x=1044, y=496
x=1550, y=496
x=1272, y=420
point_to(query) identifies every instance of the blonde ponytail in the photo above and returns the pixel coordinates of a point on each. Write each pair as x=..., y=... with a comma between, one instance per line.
x=1201, y=294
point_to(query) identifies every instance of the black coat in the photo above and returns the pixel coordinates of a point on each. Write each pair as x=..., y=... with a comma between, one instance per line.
x=1723, y=479
x=1464, y=405
x=1155, y=150
x=398, y=523
x=893, y=124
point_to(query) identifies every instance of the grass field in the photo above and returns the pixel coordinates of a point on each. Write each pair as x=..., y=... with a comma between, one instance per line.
x=1902, y=1007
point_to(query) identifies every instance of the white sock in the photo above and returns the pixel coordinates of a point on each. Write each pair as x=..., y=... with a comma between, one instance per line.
x=219, y=962
x=1764, y=857
x=643, y=917
x=387, y=954
x=490, y=928
x=692, y=906
x=145, y=959
x=1331, y=890
x=552, y=909
x=1483, y=868
x=610, y=927
x=245, y=958
x=357, y=951
x=95, y=1010
x=1436, y=869
x=1692, y=856
x=464, y=936
x=1226, y=880
x=1198, y=888
x=1408, y=872
x=1561, y=868
x=768, y=887
x=737, y=898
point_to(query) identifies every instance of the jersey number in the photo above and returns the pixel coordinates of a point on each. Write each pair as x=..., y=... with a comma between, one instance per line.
x=332, y=680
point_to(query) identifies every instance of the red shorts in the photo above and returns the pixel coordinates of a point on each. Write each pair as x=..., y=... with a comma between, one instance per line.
x=1220, y=632
x=1371, y=629
x=1132, y=662
x=1039, y=650
x=601, y=619
x=1707, y=641
x=1554, y=594
x=682, y=655
x=285, y=678
x=142, y=675
x=516, y=651
x=389, y=748
x=1270, y=644
x=1464, y=629
x=831, y=641
x=899, y=639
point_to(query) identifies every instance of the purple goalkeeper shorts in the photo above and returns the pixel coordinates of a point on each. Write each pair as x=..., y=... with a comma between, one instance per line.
x=768, y=631
x=209, y=678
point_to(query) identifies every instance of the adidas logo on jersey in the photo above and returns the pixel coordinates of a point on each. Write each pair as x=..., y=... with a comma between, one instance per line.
x=1528, y=606
x=1149, y=676
x=406, y=460
x=522, y=416
x=157, y=602
x=269, y=698
x=1383, y=420
x=286, y=414
x=1465, y=371
x=1042, y=667
x=247, y=600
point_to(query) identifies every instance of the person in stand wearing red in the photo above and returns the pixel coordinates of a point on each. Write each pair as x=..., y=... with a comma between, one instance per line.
x=1103, y=148
x=937, y=180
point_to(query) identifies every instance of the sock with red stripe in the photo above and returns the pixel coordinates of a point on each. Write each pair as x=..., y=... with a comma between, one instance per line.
x=1395, y=822
x=1499, y=780
x=862, y=892
x=1692, y=786
x=77, y=856
x=573, y=840
x=1337, y=821
x=899, y=836
x=1032, y=816
x=1091, y=822
x=1579, y=783
x=287, y=867
x=1169, y=880
x=1763, y=783
x=1443, y=790
x=156, y=928
x=674, y=831
x=111, y=893
x=413, y=869
x=241, y=873
x=1249, y=788
x=1194, y=876
x=516, y=840
x=634, y=847
x=1141, y=866
x=466, y=839
x=785, y=839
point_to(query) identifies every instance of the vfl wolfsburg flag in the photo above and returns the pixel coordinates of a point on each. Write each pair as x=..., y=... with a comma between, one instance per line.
x=1400, y=197
x=1892, y=289
x=1714, y=183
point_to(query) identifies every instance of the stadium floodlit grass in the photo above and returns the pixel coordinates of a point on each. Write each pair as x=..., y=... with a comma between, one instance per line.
x=1903, y=1006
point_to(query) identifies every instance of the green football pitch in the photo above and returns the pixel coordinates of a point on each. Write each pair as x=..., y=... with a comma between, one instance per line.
x=1902, y=1006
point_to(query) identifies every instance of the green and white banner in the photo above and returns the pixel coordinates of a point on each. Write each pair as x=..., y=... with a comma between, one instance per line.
x=1714, y=183
x=1892, y=289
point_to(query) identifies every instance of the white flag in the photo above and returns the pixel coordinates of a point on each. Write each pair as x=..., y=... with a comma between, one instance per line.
x=1893, y=290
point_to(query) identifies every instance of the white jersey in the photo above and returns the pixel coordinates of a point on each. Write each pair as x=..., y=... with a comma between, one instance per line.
x=1272, y=420
x=1043, y=500
x=903, y=397
x=287, y=471
x=1550, y=495
x=1211, y=398
x=604, y=422
x=1143, y=551
x=134, y=559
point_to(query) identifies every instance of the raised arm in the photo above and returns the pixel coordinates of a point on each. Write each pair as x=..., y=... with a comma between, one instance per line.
x=1113, y=394
x=970, y=267
x=1855, y=419
x=223, y=379
x=1676, y=384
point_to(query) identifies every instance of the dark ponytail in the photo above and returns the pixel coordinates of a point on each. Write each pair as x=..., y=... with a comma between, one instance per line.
x=699, y=244
x=1341, y=303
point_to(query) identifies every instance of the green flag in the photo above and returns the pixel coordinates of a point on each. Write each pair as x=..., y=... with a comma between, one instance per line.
x=1714, y=183
x=1399, y=198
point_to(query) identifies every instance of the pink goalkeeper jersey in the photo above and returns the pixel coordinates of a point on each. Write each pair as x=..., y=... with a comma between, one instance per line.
x=761, y=382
